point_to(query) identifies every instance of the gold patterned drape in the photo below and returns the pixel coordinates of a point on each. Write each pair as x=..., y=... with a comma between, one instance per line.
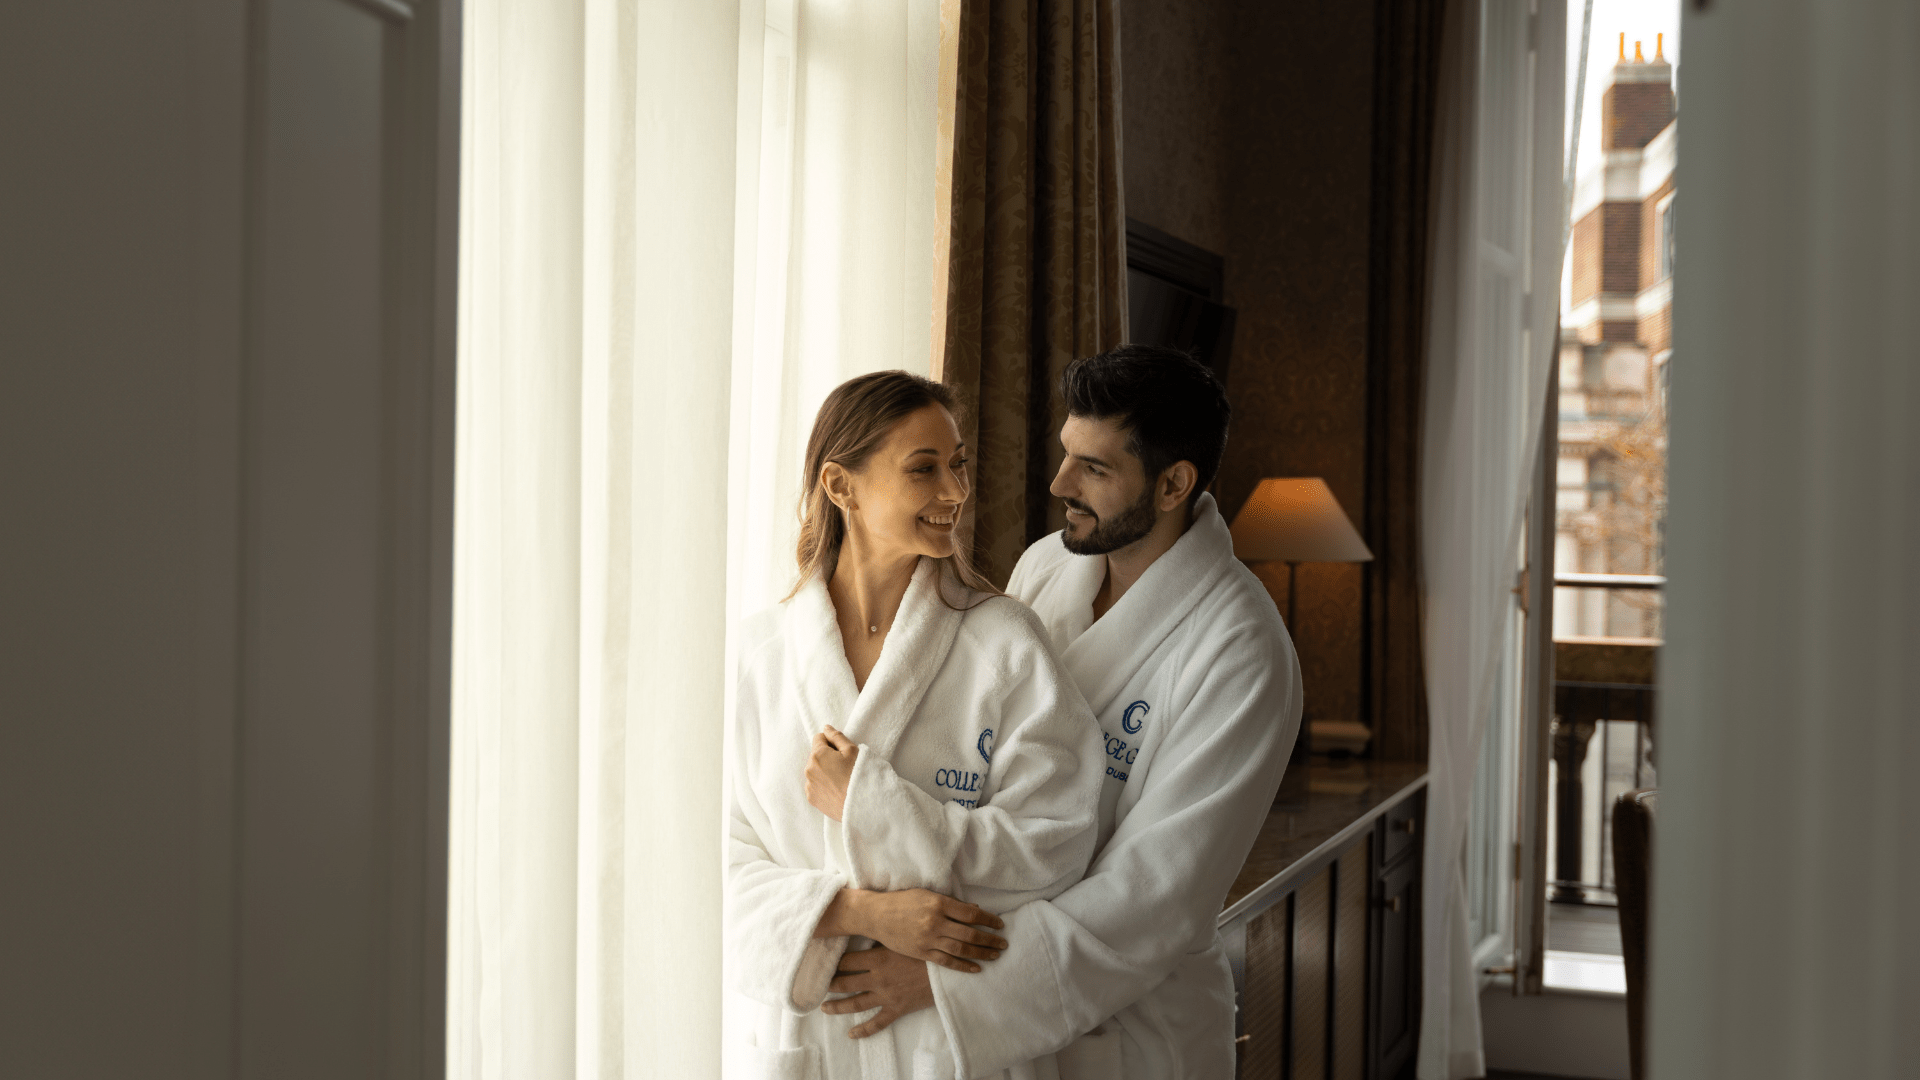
x=1406, y=85
x=1031, y=263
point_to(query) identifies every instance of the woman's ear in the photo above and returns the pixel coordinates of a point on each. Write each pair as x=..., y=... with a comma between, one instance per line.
x=1176, y=484
x=838, y=483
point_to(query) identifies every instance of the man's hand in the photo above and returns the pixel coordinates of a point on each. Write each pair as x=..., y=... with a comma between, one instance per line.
x=883, y=979
x=919, y=924
x=829, y=771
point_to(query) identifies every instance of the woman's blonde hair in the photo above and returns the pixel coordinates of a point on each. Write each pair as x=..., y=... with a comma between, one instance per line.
x=852, y=423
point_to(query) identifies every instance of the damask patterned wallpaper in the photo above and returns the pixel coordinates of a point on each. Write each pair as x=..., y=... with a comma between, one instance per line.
x=1247, y=130
x=1176, y=94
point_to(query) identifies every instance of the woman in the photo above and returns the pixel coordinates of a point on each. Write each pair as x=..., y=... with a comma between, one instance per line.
x=968, y=778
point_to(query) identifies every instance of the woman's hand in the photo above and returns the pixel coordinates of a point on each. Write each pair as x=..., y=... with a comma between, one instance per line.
x=917, y=923
x=882, y=979
x=829, y=770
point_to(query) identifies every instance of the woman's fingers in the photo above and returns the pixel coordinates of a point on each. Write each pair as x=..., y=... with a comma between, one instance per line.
x=834, y=739
x=874, y=1026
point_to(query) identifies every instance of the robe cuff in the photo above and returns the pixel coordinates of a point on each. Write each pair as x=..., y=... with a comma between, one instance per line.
x=1012, y=1010
x=781, y=962
x=895, y=835
x=819, y=962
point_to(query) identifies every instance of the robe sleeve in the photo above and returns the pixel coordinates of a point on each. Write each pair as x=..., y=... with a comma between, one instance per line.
x=1037, y=821
x=1156, y=890
x=772, y=909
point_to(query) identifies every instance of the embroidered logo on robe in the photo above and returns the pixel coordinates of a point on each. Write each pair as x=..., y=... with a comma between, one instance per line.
x=1122, y=755
x=1134, y=717
x=960, y=780
x=985, y=746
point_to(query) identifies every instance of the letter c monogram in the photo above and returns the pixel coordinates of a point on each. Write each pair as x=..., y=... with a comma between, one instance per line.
x=1134, y=717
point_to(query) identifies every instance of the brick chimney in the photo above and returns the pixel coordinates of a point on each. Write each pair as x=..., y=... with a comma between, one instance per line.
x=1639, y=103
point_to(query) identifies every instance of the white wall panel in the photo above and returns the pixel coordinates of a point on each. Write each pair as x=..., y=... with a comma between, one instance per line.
x=225, y=465
x=1786, y=856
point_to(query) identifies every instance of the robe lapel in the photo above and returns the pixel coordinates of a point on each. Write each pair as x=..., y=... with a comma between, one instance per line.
x=817, y=666
x=1065, y=604
x=1105, y=658
x=916, y=648
x=922, y=635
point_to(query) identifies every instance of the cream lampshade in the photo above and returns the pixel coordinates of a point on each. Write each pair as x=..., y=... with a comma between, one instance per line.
x=1295, y=520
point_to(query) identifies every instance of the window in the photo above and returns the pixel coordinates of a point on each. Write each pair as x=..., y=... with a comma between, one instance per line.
x=1666, y=238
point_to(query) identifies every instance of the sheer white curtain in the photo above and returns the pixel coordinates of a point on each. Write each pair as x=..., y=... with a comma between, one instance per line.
x=682, y=223
x=1496, y=267
x=834, y=252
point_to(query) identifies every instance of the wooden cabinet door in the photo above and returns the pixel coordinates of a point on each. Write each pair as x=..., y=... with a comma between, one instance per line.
x=1396, y=959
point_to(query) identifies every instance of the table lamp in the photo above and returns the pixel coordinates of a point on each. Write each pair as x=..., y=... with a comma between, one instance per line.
x=1295, y=520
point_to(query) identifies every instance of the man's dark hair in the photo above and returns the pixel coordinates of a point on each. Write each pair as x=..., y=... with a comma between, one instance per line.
x=1170, y=405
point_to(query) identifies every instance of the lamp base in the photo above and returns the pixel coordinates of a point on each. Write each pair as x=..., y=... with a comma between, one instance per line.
x=1338, y=736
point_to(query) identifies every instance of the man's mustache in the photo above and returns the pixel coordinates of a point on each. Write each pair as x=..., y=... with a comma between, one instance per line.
x=1076, y=504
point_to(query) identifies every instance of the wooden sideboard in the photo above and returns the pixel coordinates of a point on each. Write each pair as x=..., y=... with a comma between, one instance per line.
x=1323, y=928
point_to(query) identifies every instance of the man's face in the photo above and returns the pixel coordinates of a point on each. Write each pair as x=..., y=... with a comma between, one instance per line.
x=1106, y=489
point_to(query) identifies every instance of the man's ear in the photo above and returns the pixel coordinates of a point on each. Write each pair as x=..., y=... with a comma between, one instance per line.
x=1176, y=484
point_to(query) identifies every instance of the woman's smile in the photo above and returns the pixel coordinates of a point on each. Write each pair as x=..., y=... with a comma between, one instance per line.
x=940, y=521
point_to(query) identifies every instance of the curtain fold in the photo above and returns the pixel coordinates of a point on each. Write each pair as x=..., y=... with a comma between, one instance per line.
x=1406, y=79
x=589, y=617
x=1033, y=224
x=682, y=225
x=834, y=242
x=1498, y=210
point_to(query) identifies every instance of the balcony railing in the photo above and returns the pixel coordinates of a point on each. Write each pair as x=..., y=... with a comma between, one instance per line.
x=1604, y=701
x=1610, y=581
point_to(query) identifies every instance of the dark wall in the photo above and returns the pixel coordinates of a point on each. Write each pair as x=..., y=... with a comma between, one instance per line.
x=1176, y=134
x=1248, y=131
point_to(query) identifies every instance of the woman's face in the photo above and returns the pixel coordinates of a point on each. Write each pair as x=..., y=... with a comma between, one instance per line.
x=907, y=499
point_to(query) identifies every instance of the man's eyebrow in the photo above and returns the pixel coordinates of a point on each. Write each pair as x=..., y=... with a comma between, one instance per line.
x=1091, y=460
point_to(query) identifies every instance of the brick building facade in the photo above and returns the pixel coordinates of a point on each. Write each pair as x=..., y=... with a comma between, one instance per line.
x=1616, y=340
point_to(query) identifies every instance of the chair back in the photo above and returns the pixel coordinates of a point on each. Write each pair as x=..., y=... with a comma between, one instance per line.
x=1632, y=873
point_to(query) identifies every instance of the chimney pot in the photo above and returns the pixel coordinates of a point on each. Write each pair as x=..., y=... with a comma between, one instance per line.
x=1638, y=58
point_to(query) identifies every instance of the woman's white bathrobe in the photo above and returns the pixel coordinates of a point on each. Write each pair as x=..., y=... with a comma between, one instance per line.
x=1193, y=677
x=979, y=776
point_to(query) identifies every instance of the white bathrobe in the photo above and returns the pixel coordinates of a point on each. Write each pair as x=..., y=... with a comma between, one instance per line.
x=979, y=776
x=1194, y=680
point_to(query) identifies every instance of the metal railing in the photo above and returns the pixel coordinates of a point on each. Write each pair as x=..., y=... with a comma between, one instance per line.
x=1610, y=581
x=1614, y=718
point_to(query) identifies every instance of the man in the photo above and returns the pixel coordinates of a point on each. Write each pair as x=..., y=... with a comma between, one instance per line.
x=1182, y=655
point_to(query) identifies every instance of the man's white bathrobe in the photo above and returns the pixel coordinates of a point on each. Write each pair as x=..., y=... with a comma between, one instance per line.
x=979, y=776
x=1194, y=680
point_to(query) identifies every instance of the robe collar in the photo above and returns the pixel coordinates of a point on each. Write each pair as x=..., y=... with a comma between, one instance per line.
x=916, y=648
x=1112, y=650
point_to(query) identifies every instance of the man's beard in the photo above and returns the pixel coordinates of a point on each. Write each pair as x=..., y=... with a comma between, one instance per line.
x=1129, y=526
